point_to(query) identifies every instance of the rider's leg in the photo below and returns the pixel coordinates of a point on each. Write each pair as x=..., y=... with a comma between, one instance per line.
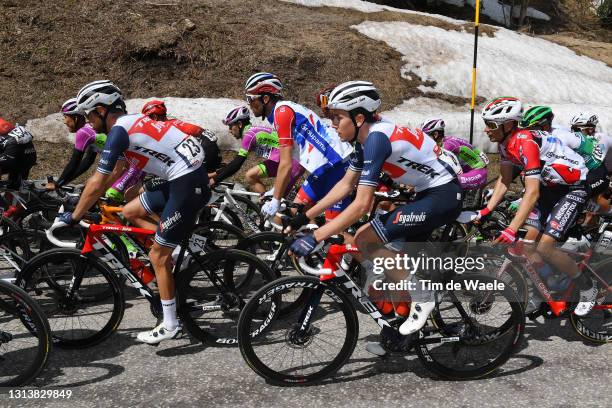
x=161, y=259
x=253, y=178
x=137, y=215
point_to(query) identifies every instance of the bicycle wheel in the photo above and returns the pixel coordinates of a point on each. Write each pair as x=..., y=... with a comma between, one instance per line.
x=252, y=210
x=25, y=337
x=210, y=311
x=596, y=326
x=485, y=323
x=219, y=235
x=283, y=349
x=83, y=318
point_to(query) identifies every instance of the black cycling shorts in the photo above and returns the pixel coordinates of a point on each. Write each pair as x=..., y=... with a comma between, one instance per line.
x=178, y=203
x=414, y=222
x=557, y=210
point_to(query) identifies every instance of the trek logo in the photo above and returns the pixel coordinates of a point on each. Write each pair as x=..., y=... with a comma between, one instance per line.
x=409, y=218
x=423, y=168
x=170, y=221
x=164, y=158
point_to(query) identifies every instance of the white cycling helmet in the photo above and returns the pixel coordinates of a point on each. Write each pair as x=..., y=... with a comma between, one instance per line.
x=99, y=93
x=237, y=114
x=584, y=119
x=503, y=109
x=353, y=95
x=262, y=83
x=70, y=107
x=432, y=124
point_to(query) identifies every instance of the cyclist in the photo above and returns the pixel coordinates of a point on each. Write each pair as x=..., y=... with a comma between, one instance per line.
x=554, y=194
x=164, y=151
x=408, y=157
x=265, y=143
x=156, y=110
x=303, y=136
x=17, y=153
x=592, y=147
x=473, y=161
x=87, y=145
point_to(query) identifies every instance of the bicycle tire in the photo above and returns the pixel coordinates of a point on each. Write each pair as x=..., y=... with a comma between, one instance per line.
x=469, y=370
x=254, y=326
x=595, y=327
x=32, y=321
x=206, y=313
x=35, y=278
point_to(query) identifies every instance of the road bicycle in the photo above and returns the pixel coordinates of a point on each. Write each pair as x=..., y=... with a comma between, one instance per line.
x=25, y=337
x=470, y=333
x=80, y=293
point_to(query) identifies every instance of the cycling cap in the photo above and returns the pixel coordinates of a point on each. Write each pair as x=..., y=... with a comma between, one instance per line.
x=353, y=95
x=433, y=124
x=70, y=107
x=503, y=109
x=584, y=119
x=154, y=107
x=99, y=93
x=536, y=116
x=237, y=114
x=263, y=83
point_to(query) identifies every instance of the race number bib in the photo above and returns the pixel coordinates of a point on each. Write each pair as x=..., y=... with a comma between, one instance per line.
x=190, y=151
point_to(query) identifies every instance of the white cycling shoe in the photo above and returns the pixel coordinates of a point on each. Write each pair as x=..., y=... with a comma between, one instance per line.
x=588, y=297
x=419, y=312
x=159, y=334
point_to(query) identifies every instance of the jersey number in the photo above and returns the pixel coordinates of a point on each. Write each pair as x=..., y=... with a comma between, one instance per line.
x=190, y=150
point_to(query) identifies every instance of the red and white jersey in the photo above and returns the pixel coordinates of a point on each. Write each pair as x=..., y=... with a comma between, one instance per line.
x=160, y=148
x=408, y=156
x=543, y=156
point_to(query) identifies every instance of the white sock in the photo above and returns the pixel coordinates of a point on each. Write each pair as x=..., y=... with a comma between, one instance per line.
x=169, y=309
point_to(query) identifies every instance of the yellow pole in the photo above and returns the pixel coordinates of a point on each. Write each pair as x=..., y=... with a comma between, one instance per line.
x=476, y=25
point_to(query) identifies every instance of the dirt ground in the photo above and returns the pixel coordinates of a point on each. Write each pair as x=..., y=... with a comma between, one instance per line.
x=204, y=48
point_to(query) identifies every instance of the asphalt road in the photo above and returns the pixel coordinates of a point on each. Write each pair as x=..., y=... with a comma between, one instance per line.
x=554, y=368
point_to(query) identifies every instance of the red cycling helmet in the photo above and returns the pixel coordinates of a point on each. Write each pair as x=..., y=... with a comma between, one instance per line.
x=154, y=107
x=5, y=127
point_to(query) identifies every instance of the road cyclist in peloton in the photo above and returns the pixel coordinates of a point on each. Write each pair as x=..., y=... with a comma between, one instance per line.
x=158, y=148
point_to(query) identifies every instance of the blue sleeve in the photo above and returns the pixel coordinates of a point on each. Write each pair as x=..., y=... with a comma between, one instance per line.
x=356, y=158
x=117, y=142
x=376, y=150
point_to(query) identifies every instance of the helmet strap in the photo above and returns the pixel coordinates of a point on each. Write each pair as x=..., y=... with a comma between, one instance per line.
x=357, y=128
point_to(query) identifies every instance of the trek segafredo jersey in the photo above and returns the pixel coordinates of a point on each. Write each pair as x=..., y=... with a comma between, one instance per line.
x=543, y=156
x=158, y=148
x=318, y=145
x=408, y=157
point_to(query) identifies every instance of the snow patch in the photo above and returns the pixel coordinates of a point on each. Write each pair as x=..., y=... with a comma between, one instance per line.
x=367, y=7
x=205, y=112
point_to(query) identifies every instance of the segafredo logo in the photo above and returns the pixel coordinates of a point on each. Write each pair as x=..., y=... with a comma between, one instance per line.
x=409, y=218
x=170, y=221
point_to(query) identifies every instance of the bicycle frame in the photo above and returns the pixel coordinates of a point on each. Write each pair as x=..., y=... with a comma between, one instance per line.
x=558, y=307
x=228, y=198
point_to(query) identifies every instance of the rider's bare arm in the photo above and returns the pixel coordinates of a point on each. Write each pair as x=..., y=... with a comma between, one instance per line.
x=360, y=206
x=96, y=186
x=503, y=182
x=284, y=171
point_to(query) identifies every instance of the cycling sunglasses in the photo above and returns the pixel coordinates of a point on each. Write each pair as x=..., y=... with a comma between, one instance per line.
x=251, y=98
x=492, y=125
x=323, y=99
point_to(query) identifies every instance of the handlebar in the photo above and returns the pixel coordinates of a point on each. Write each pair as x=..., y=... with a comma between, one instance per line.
x=62, y=244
